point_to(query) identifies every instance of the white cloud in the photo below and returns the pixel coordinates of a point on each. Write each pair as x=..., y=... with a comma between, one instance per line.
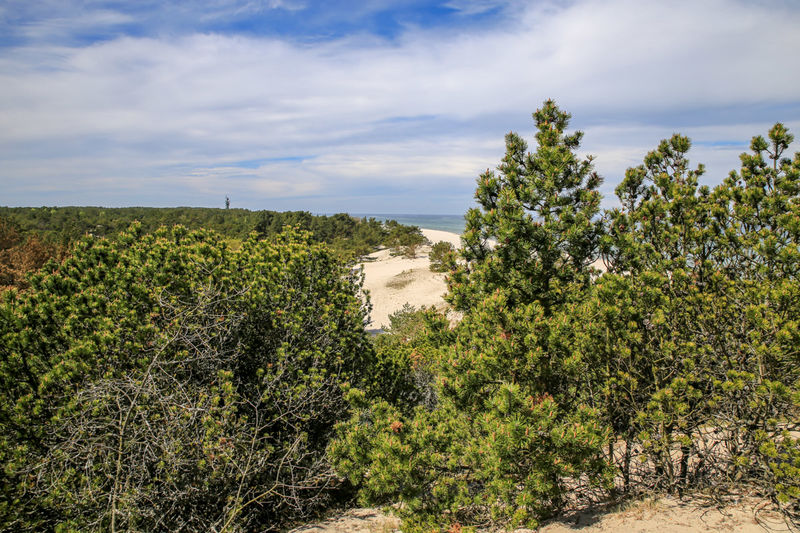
x=178, y=110
x=61, y=27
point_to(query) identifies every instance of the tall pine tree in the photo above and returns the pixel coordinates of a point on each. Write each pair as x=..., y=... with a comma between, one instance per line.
x=535, y=230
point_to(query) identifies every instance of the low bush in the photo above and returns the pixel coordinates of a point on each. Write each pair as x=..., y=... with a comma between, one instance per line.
x=442, y=256
x=165, y=382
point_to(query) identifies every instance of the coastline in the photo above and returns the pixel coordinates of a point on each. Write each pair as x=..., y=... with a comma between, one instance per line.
x=449, y=223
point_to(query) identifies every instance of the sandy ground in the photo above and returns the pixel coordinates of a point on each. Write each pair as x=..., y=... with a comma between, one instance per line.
x=669, y=515
x=354, y=520
x=661, y=516
x=394, y=281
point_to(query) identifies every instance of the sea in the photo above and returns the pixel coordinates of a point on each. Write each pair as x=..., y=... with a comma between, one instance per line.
x=452, y=223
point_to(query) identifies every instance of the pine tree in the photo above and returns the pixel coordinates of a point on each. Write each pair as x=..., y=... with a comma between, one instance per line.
x=507, y=435
x=536, y=229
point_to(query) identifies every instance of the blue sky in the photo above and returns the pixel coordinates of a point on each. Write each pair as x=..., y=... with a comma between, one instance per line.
x=372, y=106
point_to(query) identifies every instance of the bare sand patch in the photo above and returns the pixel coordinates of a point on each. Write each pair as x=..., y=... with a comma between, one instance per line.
x=354, y=520
x=393, y=281
x=435, y=236
x=666, y=515
x=671, y=515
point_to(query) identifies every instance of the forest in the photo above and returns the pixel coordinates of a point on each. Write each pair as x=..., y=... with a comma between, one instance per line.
x=30, y=236
x=206, y=377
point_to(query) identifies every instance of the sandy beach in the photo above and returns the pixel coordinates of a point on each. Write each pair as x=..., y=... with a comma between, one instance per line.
x=394, y=281
x=665, y=515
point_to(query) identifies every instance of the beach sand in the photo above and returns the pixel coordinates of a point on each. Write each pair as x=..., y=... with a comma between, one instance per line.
x=666, y=515
x=394, y=281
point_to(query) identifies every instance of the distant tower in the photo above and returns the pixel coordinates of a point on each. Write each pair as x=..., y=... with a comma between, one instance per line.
x=227, y=203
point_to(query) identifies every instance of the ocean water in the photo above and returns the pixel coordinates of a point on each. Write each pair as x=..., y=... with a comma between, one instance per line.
x=452, y=223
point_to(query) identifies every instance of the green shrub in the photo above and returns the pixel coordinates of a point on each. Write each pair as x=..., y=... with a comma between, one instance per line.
x=404, y=240
x=405, y=357
x=694, y=329
x=165, y=382
x=442, y=256
x=679, y=365
x=505, y=464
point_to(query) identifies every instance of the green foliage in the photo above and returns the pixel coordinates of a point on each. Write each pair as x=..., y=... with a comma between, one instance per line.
x=70, y=224
x=504, y=465
x=442, y=257
x=169, y=382
x=406, y=354
x=404, y=240
x=782, y=458
x=679, y=365
x=695, y=325
x=165, y=382
x=348, y=236
x=541, y=210
x=408, y=324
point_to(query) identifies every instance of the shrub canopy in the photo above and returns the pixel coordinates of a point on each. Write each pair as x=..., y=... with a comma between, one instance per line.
x=165, y=382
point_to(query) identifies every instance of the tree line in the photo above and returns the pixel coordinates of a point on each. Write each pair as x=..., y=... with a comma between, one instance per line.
x=64, y=225
x=30, y=236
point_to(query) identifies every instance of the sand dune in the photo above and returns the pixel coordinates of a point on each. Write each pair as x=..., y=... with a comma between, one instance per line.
x=435, y=236
x=394, y=281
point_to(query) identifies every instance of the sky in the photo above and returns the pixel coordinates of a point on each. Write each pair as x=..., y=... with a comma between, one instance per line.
x=370, y=106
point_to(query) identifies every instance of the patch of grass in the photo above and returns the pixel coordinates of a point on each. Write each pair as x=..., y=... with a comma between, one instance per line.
x=638, y=507
x=402, y=280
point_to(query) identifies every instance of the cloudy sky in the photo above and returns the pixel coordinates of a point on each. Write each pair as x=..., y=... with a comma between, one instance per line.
x=368, y=106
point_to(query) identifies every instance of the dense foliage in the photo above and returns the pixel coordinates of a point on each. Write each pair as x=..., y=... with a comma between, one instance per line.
x=442, y=256
x=541, y=209
x=677, y=369
x=347, y=235
x=695, y=326
x=404, y=240
x=68, y=224
x=165, y=382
